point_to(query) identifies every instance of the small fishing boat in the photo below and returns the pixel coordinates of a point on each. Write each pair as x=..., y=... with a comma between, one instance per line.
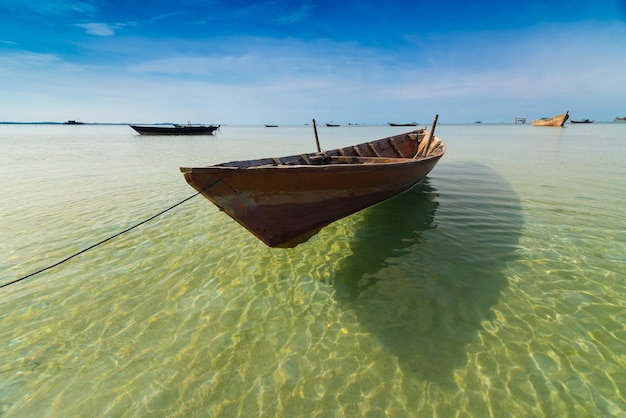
x=558, y=120
x=285, y=201
x=271, y=126
x=402, y=124
x=175, y=129
x=581, y=121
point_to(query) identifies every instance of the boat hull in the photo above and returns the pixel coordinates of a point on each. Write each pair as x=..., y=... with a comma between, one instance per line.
x=284, y=205
x=557, y=121
x=175, y=130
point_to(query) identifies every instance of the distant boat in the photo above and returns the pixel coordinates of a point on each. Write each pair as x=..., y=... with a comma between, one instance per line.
x=618, y=119
x=402, y=124
x=558, y=120
x=73, y=122
x=332, y=124
x=176, y=129
x=285, y=201
x=581, y=121
x=271, y=126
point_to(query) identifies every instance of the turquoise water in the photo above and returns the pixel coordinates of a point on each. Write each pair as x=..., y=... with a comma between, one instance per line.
x=494, y=288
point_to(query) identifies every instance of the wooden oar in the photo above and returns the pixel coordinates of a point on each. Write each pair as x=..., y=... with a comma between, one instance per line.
x=432, y=135
x=317, y=140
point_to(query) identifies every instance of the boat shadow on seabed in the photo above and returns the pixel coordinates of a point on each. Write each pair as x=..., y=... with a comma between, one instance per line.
x=427, y=267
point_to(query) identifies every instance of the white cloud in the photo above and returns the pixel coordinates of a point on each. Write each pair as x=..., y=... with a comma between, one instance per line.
x=21, y=60
x=289, y=17
x=98, y=29
x=50, y=7
x=249, y=80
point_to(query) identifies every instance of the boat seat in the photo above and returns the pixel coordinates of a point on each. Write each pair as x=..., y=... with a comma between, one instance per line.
x=321, y=158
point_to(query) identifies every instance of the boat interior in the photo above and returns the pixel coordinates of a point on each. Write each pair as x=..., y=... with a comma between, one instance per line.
x=411, y=145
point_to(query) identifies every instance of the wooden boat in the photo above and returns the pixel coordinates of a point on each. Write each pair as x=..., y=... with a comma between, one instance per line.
x=285, y=201
x=176, y=129
x=558, y=120
x=581, y=121
x=402, y=124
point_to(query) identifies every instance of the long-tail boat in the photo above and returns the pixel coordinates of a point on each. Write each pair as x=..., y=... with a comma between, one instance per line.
x=558, y=120
x=285, y=201
x=176, y=129
x=402, y=124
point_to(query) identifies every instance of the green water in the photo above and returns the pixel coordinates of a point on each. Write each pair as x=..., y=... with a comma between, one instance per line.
x=494, y=288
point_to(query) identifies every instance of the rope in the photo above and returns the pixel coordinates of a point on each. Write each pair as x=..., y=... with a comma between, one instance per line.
x=118, y=234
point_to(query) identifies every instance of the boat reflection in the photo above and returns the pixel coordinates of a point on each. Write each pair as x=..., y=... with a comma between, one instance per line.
x=427, y=267
x=387, y=230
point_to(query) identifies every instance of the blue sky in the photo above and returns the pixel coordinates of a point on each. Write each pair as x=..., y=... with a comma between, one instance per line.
x=285, y=61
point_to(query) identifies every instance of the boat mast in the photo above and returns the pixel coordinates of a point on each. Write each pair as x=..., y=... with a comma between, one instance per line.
x=317, y=140
x=432, y=134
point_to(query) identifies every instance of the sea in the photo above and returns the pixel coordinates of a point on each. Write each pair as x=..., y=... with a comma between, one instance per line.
x=494, y=288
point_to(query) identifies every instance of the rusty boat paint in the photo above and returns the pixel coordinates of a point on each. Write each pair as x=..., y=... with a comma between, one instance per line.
x=285, y=201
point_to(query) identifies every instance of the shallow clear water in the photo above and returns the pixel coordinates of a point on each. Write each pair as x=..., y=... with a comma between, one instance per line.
x=494, y=288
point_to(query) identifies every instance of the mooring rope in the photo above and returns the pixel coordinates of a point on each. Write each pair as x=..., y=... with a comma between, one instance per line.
x=118, y=234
